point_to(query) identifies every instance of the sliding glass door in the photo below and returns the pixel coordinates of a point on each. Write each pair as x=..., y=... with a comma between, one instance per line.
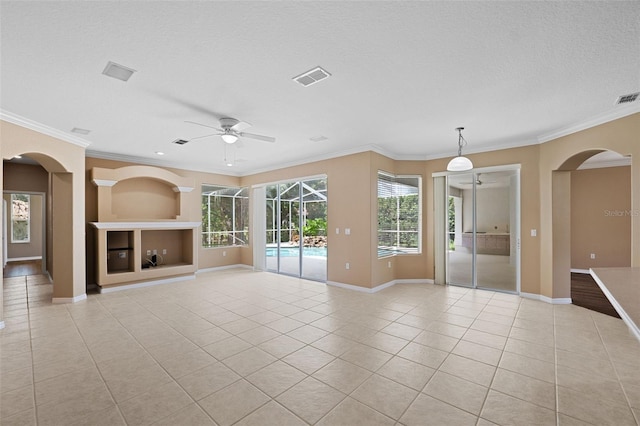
x=483, y=230
x=296, y=223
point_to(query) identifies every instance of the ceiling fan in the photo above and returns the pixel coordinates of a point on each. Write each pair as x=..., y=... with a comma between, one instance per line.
x=231, y=130
x=478, y=181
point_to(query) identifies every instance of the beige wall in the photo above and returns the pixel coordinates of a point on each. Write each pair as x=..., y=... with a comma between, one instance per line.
x=66, y=163
x=601, y=217
x=567, y=153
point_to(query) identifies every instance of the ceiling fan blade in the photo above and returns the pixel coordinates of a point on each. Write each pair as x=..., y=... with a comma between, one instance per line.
x=202, y=137
x=240, y=126
x=203, y=125
x=258, y=137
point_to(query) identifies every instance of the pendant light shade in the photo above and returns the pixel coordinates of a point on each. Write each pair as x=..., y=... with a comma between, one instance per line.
x=229, y=138
x=460, y=163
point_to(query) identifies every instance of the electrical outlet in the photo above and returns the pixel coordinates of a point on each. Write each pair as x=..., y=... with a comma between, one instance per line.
x=224, y=253
x=155, y=252
x=593, y=255
x=148, y=252
x=534, y=232
x=337, y=231
x=347, y=265
x=347, y=231
x=389, y=264
x=164, y=251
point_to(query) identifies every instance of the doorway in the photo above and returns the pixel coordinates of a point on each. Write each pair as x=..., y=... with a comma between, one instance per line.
x=483, y=221
x=296, y=228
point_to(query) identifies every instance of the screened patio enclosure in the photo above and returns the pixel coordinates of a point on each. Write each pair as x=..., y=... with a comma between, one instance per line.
x=296, y=234
x=225, y=216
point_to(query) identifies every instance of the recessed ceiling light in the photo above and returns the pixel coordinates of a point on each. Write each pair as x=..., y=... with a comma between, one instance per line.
x=80, y=131
x=312, y=76
x=118, y=71
x=318, y=138
x=159, y=153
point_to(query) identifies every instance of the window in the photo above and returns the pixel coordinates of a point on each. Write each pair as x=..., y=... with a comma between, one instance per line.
x=225, y=216
x=399, y=214
x=20, y=218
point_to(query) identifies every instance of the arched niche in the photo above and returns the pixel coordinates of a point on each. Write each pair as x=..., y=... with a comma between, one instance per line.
x=140, y=193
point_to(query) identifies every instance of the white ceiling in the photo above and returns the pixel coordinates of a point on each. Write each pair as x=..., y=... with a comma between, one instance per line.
x=404, y=74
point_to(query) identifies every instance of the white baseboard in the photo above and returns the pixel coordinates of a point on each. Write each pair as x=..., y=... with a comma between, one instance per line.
x=556, y=301
x=415, y=281
x=1, y=325
x=222, y=268
x=579, y=271
x=104, y=290
x=24, y=259
x=75, y=299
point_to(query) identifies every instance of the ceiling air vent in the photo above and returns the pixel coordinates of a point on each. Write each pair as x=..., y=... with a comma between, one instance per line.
x=180, y=141
x=118, y=71
x=625, y=99
x=312, y=76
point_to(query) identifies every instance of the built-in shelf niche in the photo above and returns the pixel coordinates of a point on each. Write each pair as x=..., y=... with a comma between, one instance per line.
x=140, y=193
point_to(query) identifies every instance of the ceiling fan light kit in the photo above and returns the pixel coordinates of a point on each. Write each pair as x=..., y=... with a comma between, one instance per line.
x=229, y=138
x=231, y=130
x=460, y=163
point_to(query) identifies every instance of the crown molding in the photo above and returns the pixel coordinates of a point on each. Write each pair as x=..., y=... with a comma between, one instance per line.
x=154, y=162
x=42, y=128
x=619, y=112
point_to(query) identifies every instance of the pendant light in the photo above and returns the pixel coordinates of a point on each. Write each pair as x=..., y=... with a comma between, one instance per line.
x=460, y=163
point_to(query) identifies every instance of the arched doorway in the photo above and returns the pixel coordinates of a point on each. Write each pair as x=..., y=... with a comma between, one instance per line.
x=64, y=161
x=562, y=223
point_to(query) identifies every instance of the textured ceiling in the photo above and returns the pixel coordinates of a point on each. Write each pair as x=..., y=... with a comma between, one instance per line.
x=404, y=74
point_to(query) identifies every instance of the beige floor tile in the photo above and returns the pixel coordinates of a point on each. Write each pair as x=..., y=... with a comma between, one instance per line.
x=186, y=363
x=491, y=327
x=308, y=359
x=109, y=416
x=590, y=384
x=423, y=355
x=497, y=318
x=249, y=361
x=342, y=375
x=23, y=418
x=428, y=411
x=227, y=347
x=334, y=344
x=271, y=413
x=307, y=317
x=437, y=341
x=69, y=386
x=468, y=369
x=191, y=415
x=455, y=391
x=310, y=399
x=285, y=325
x=450, y=330
x=386, y=342
x=384, y=395
x=258, y=335
x=485, y=339
x=239, y=326
x=209, y=336
x=564, y=420
x=208, y=380
x=366, y=357
x=281, y=346
x=503, y=409
x=155, y=405
x=528, y=366
x=16, y=379
x=531, y=350
x=276, y=378
x=590, y=408
x=16, y=401
x=307, y=333
x=526, y=388
x=401, y=330
x=406, y=372
x=329, y=323
x=351, y=412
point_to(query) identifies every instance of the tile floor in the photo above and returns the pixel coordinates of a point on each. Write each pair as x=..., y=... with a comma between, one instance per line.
x=245, y=348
